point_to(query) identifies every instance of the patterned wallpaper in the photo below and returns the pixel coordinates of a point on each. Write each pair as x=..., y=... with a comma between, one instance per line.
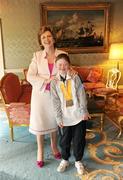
x=21, y=22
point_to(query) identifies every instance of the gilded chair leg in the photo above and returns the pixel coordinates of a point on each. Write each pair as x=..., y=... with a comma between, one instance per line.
x=120, y=121
x=11, y=134
x=119, y=134
x=101, y=122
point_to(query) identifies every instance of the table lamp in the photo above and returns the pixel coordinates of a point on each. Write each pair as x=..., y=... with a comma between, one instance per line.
x=116, y=53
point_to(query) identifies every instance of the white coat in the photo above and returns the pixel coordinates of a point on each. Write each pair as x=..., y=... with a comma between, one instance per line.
x=42, y=119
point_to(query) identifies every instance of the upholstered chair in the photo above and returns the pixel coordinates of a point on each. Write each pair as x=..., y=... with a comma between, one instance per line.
x=16, y=99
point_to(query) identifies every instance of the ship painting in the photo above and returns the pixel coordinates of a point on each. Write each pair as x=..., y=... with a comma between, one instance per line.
x=83, y=37
x=78, y=29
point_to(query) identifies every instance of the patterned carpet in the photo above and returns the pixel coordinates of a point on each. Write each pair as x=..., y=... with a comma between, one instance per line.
x=103, y=157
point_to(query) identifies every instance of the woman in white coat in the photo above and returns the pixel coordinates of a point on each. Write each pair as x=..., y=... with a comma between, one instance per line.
x=41, y=72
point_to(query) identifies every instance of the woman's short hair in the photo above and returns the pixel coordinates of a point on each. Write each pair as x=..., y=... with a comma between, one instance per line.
x=63, y=56
x=42, y=30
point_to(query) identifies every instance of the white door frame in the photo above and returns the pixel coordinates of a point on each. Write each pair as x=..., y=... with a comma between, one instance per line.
x=1, y=52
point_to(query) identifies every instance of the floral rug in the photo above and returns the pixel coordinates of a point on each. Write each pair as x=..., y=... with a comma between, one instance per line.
x=106, y=157
x=103, y=157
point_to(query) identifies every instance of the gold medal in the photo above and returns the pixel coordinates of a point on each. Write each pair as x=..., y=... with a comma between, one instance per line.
x=69, y=103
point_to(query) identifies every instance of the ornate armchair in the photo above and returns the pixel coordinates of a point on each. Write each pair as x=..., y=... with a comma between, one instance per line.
x=111, y=87
x=16, y=99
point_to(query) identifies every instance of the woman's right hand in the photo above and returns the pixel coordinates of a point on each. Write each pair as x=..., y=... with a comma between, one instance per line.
x=61, y=125
x=47, y=81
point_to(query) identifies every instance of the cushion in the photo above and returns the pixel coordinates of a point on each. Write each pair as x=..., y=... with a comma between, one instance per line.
x=19, y=113
x=93, y=85
x=94, y=75
x=89, y=86
x=82, y=71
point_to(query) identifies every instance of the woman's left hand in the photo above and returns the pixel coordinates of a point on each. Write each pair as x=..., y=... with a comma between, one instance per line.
x=72, y=72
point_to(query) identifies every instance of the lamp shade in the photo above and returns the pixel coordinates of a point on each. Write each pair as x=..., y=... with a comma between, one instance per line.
x=116, y=51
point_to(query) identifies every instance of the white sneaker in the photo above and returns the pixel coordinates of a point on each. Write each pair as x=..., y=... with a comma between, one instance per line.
x=80, y=167
x=62, y=166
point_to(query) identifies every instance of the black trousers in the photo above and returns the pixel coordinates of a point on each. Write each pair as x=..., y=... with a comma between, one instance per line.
x=75, y=134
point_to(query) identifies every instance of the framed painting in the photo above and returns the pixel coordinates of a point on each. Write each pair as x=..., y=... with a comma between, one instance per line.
x=81, y=28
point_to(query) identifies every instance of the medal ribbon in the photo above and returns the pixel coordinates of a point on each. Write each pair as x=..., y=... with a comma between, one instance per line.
x=66, y=90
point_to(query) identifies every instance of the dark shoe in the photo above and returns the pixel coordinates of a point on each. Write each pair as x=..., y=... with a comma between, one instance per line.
x=40, y=164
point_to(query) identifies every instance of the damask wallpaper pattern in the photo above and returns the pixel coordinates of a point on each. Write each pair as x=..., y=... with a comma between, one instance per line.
x=21, y=22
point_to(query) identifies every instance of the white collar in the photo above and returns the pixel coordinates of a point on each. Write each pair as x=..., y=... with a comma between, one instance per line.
x=67, y=76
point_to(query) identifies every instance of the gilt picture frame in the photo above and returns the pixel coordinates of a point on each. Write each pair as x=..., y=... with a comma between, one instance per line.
x=81, y=28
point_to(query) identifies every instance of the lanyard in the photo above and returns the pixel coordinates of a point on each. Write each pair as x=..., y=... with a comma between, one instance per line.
x=66, y=90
